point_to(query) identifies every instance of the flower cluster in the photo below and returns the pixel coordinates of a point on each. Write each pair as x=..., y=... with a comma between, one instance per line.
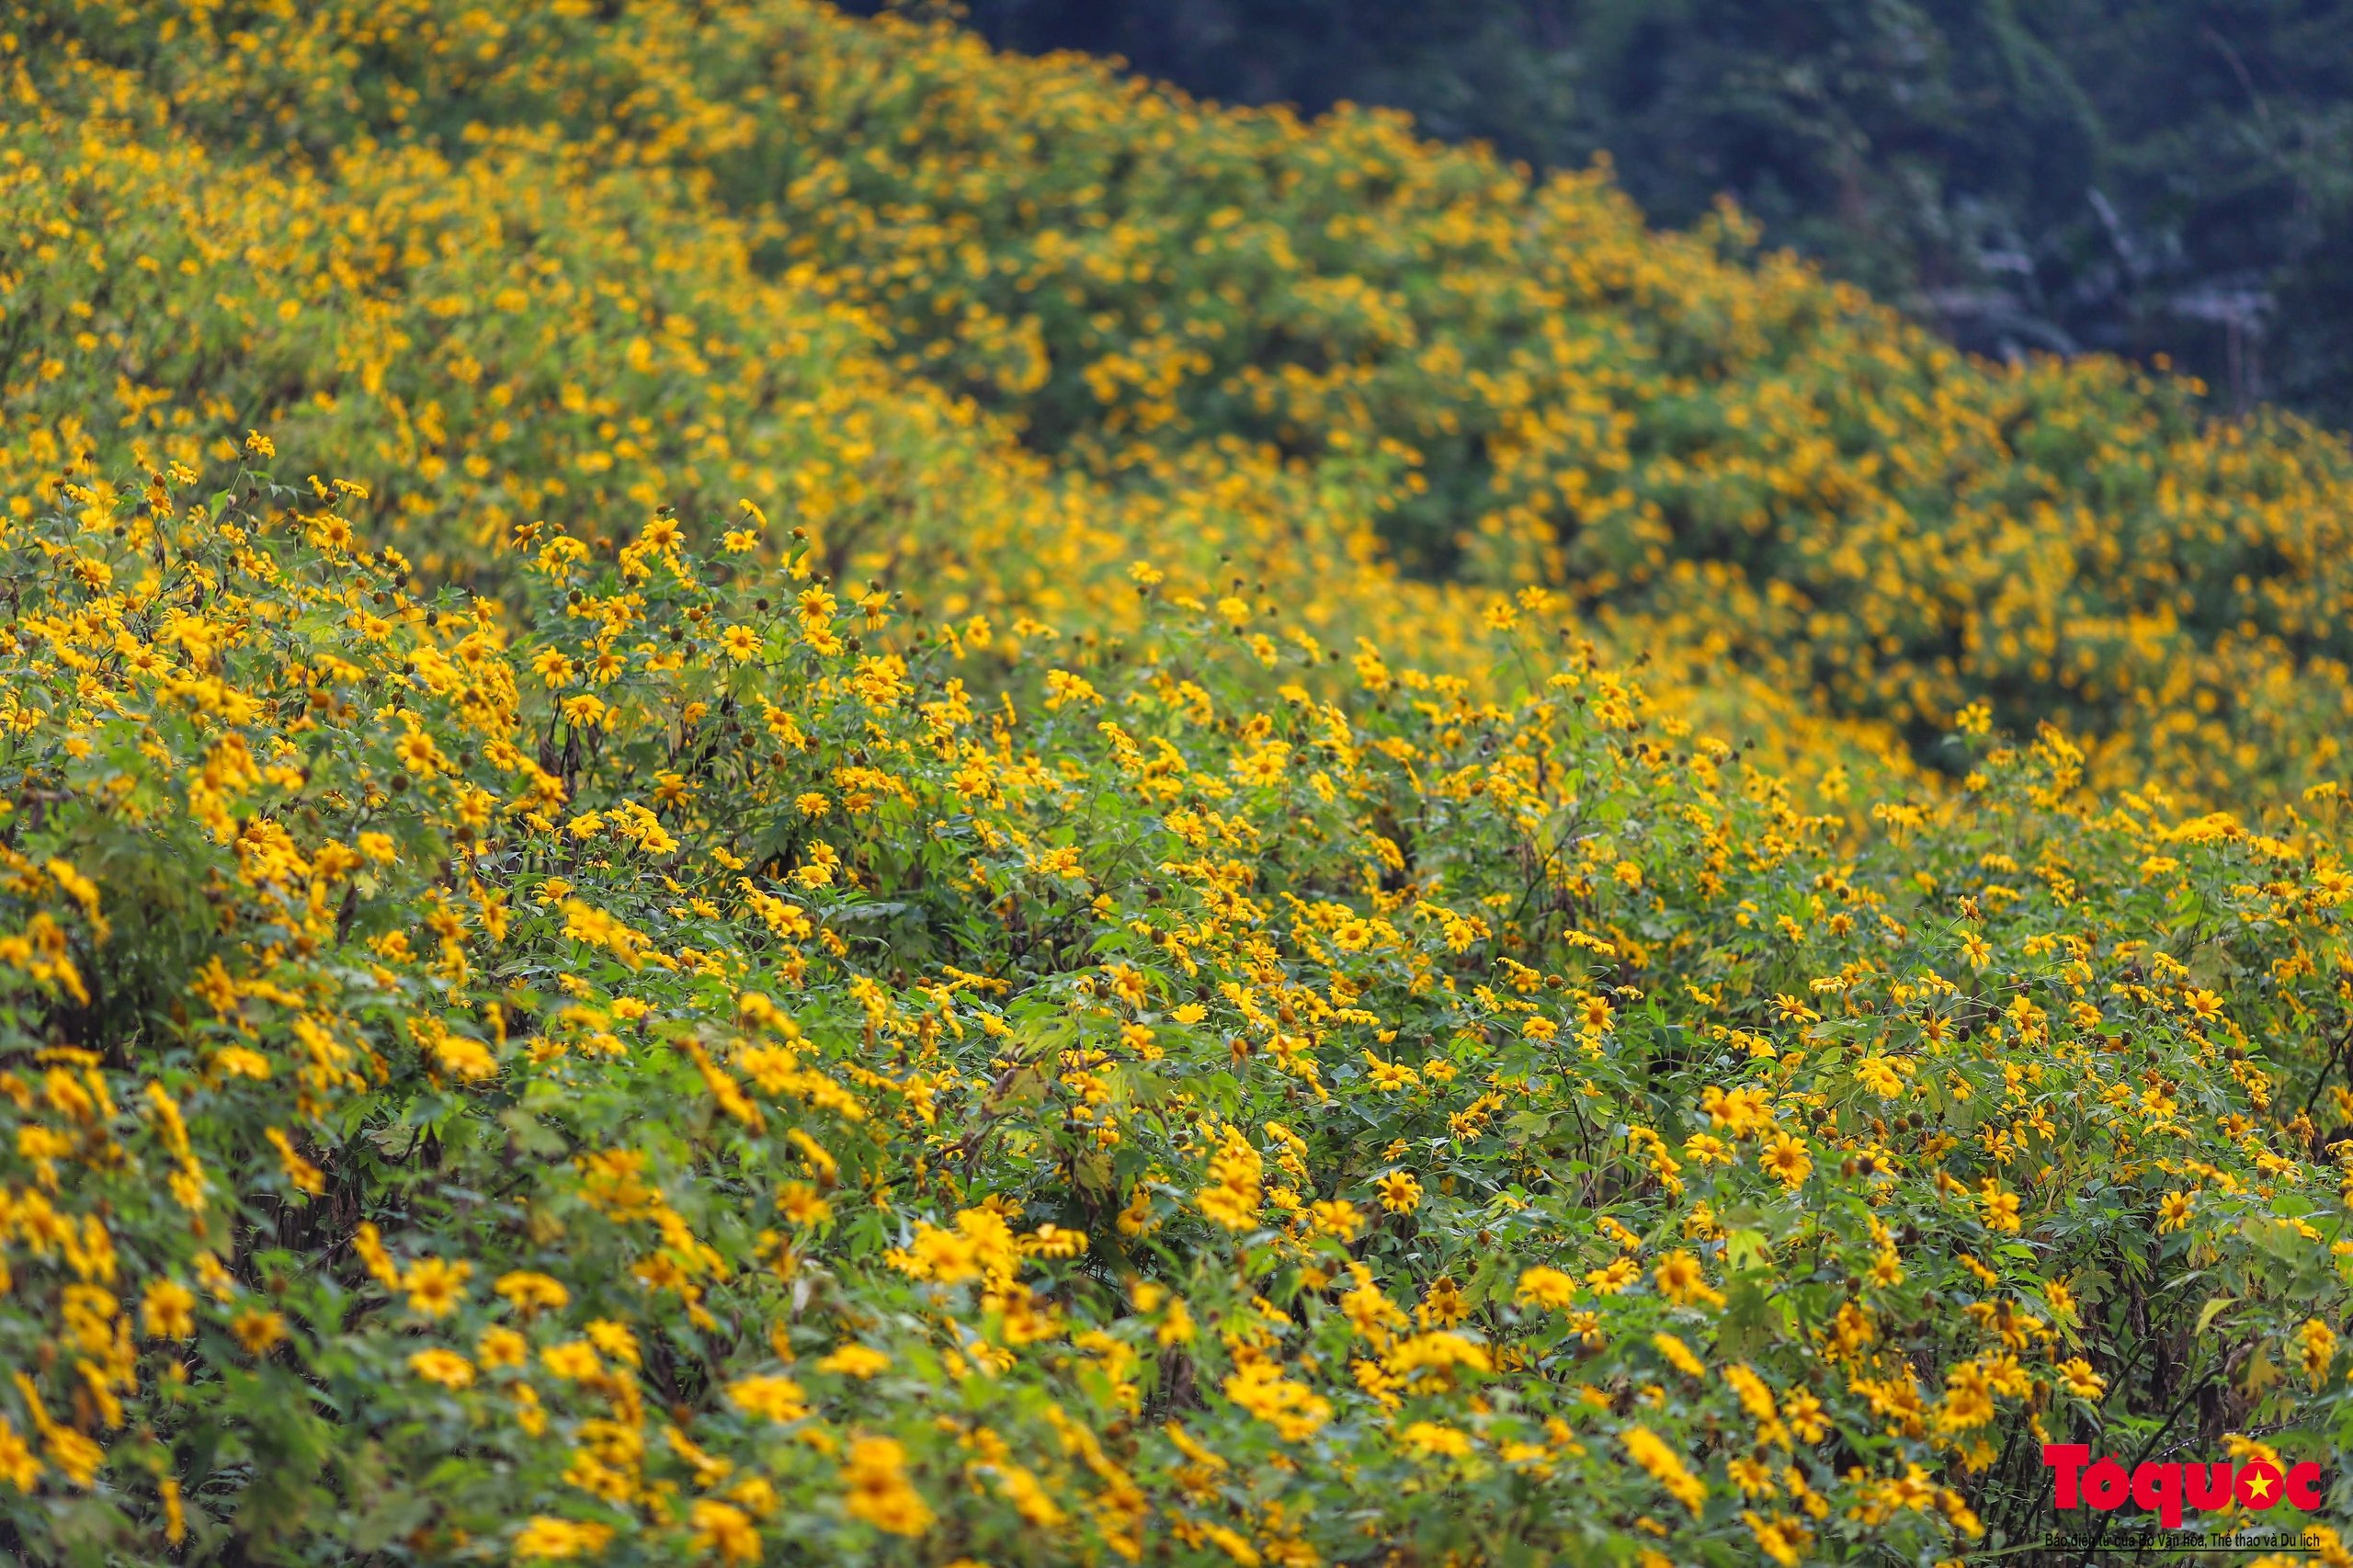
x=678, y=1069
x=837, y=800
x=997, y=327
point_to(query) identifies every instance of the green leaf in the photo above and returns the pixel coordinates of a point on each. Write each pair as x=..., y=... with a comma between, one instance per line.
x=1746, y=1250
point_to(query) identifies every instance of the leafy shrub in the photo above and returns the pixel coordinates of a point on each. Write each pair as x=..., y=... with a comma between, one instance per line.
x=608, y=264
x=708, y=955
x=690, y=1075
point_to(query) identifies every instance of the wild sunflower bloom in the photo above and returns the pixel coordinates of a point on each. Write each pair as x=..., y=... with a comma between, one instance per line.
x=1805, y=1415
x=2316, y=1347
x=435, y=1286
x=770, y=1398
x=1665, y=1467
x=798, y=1203
x=1445, y=1304
x=419, y=755
x=1546, y=1288
x=879, y=1492
x=1614, y=1277
x=1706, y=1149
x=854, y=1361
x=500, y=1347
x=574, y=1360
x=1969, y=1399
x=1880, y=1075
x=259, y=1331
x=1679, y=1355
x=1401, y=1191
x=723, y=1529
x=1680, y=1279
x=2076, y=1375
x=18, y=1466
x=446, y=1368
x=549, y=1539
x=167, y=1310
x=531, y=1293
x=1338, y=1219
x=1437, y=1440
x=1787, y=1159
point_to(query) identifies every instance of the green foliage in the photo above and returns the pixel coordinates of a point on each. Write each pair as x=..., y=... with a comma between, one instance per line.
x=2160, y=177
x=671, y=1083
x=726, y=835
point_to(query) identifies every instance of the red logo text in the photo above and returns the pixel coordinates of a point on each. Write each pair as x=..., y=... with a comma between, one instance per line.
x=2167, y=1490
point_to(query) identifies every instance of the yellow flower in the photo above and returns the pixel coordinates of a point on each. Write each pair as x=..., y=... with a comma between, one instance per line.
x=2316, y=1346
x=259, y=1331
x=1614, y=1277
x=1444, y=1305
x=1665, y=1467
x=1787, y=1159
x=1681, y=1280
x=18, y=1467
x=855, y=1362
x=533, y=1293
x=798, y=1201
x=1401, y=1193
x=573, y=1360
x=723, y=1529
x=1805, y=1415
x=2076, y=1376
x=1782, y=1540
x=879, y=1492
x=1878, y=1074
x=419, y=755
x=1431, y=1437
x=1338, y=1219
x=547, y=1539
x=1546, y=1288
x=236, y=1061
x=435, y=1286
x=446, y=1367
x=770, y=1398
x=167, y=1310
x=500, y=1348
x=1680, y=1356
x=1295, y=1411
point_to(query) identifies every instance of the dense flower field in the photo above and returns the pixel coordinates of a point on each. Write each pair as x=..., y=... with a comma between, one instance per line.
x=769, y=792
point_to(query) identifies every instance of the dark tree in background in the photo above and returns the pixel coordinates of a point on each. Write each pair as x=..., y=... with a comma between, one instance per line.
x=2148, y=176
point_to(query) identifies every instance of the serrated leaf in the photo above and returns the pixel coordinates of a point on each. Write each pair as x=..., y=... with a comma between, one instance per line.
x=2262, y=1374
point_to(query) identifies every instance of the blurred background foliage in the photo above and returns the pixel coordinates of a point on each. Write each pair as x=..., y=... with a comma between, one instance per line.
x=2150, y=178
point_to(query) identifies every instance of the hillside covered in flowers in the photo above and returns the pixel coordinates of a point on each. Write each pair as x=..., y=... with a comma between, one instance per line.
x=770, y=791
